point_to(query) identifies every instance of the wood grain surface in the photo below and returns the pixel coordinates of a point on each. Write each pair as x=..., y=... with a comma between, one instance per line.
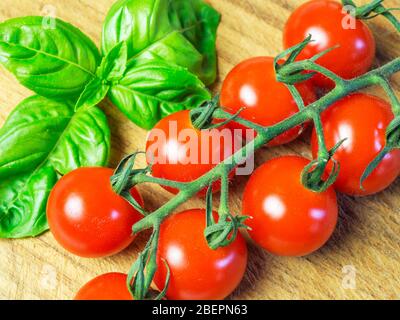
x=366, y=243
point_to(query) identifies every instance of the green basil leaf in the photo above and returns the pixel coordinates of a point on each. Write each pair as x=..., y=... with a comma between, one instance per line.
x=53, y=62
x=140, y=23
x=111, y=69
x=174, y=48
x=113, y=65
x=200, y=22
x=40, y=141
x=93, y=94
x=151, y=90
x=23, y=203
x=178, y=31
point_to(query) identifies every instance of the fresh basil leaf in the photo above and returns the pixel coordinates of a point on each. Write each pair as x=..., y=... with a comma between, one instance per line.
x=113, y=65
x=23, y=203
x=200, y=23
x=53, y=62
x=93, y=94
x=140, y=23
x=178, y=31
x=111, y=69
x=151, y=90
x=174, y=48
x=40, y=141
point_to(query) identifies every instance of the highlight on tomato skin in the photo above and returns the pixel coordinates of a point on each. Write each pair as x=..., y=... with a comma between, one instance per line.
x=330, y=26
x=286, y=218
x=252, y=85
x=178, y=151
x=109, y=286
x=362, y=120
x=87, y=217
x=197, y=272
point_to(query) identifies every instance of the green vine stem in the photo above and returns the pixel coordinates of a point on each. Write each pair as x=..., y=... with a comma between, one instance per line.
x=141, y=273
x=223, y=231
x=265, y=134
x=313, y=175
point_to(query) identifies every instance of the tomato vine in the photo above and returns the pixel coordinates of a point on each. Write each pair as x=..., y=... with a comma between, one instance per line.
x=222, y=232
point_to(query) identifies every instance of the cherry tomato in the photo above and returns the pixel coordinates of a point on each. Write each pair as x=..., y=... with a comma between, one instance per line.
x=87, y=218
x=109, y=286
x=197, y=272
x=329, y=25
x=180, y=152
x=361, y=119
x=288, y=219
x=252, y=85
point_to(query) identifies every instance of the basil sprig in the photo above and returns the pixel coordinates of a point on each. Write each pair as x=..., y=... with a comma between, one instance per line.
x=181, y=32
x=157, y=56
x=171, y=56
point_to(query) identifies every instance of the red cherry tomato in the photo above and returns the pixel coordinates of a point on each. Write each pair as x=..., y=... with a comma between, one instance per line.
x=180, y=152
x=197, y=272
x=252, y=85
x=288, y=219
x=87, y=218
x=362, y=120
x=109, y=286
x=328, y=24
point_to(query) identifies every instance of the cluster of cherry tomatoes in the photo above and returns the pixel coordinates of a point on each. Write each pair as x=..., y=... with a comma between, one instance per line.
x=90, y=220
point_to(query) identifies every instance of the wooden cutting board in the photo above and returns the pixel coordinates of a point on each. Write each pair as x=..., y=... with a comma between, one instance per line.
x=361, y=261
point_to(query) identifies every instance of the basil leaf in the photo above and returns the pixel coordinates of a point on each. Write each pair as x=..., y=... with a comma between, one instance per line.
x=151, y=90
x=178, y=31
x=113, y=65
x=140, y=23
x=23, y=203
x=174, y=48
x=56, y=62
x=111, y=69
x=41, y=140
x=200, y=22
x=93, y=94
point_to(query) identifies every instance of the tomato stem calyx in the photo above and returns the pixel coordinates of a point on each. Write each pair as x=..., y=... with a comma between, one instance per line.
x=224, y=232
x=142, y=272
x=121, y=180
x=313, y=175
x=202, y=116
